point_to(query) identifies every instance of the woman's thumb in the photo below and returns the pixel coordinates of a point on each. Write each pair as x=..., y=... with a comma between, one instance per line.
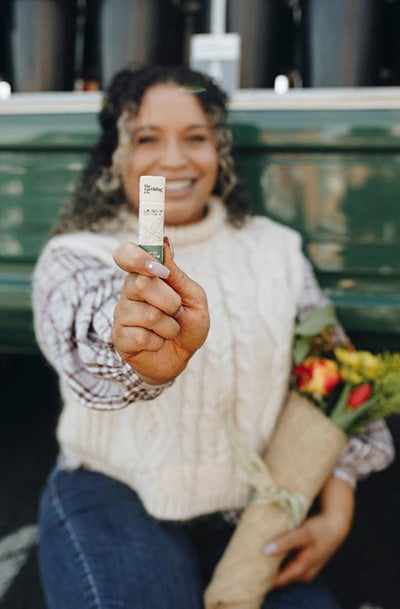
x=177, y=279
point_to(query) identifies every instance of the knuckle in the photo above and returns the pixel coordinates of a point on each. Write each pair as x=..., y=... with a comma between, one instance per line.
x=117, y=336
x=159, y=342
x=153, y=316
x=121, y=311
x=176, y=305
x=175, y=329
x=117, y=312
x=119, y=252
x=141, y=284
x=140, y=338
x=114, y=334
x=129, y=284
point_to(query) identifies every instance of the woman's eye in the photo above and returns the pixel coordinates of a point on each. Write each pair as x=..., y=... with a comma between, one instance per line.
x=196, y=138
x=146, y=139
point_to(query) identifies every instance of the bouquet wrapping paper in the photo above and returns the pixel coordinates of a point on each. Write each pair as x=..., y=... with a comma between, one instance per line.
x=301, y=455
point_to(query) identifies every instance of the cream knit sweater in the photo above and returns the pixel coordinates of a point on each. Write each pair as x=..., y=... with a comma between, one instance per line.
x=173, y=450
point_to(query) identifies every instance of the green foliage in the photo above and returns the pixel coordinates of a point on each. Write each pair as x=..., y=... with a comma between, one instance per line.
x=387, y=387
x=312, y=328
x=316, y=321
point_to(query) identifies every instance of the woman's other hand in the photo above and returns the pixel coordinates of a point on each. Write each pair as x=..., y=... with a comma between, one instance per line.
x=318, y=538
x=162, y=316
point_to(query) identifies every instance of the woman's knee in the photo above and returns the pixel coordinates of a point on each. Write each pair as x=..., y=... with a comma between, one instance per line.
x=113, y=553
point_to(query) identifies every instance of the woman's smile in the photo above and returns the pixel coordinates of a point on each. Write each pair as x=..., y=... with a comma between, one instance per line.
x=176, y=189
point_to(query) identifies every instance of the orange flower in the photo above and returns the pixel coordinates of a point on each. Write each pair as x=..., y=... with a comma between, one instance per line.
x=317, y=375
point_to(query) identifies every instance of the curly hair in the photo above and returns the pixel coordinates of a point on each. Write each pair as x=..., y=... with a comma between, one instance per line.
x=99, y=195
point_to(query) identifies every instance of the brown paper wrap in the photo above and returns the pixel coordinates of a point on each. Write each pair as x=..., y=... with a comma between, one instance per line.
x=300, y=457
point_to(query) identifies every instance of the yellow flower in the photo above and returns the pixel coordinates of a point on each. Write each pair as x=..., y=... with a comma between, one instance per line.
x=351, y=375
x=370, y=365
x=357, y=366
x=348, y=358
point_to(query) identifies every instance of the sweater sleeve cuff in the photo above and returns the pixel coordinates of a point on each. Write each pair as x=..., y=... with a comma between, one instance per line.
x=149, y=387
x=347, y=474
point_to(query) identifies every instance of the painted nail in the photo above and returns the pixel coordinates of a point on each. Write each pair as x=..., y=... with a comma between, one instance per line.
x=171, y=247
x=155, y=268
x=270, y=548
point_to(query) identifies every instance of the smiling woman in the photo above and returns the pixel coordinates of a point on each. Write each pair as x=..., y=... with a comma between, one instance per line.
x=151, y=357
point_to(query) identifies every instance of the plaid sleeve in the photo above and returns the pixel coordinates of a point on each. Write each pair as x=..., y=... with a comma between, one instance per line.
x=372, y=451
x=74, y=297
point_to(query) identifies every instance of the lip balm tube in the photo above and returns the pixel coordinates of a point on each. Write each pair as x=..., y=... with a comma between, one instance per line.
x=151, y=215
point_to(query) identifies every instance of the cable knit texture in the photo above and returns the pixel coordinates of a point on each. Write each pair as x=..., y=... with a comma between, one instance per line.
x=173, y=450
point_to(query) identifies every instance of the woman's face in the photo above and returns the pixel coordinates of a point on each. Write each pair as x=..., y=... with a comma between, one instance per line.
x=173, y=138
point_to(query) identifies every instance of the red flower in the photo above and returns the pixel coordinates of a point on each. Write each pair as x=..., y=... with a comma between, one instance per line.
x=359, y=395
x=303, y=376
x=317, y=375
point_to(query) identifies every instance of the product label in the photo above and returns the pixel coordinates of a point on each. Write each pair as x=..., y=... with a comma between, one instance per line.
x=151, y=228
x=149, y=188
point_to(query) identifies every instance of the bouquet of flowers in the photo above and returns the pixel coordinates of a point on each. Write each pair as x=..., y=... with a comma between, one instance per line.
x=335, y=392
x=351, y=387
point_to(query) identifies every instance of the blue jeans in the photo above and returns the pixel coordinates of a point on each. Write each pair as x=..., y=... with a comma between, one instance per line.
x=100, y=549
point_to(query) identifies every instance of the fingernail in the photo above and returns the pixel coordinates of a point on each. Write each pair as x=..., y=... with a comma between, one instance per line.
x=155, y=268
x=180, y=313
x=171, y=247
x=270, y=548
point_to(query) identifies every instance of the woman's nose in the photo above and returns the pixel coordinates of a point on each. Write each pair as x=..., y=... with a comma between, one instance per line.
x=173, y=154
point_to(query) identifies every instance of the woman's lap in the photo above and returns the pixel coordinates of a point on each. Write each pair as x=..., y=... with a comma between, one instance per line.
x=99, y=548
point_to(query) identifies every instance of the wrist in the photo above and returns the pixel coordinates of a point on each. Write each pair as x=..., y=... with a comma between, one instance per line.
x=153, y=382
x=339, y=523
x=337, y=503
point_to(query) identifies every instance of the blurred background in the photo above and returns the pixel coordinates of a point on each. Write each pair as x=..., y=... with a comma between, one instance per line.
x=315, y=112
x=65, y=45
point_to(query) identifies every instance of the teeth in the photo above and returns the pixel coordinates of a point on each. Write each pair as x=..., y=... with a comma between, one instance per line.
x=177, y=185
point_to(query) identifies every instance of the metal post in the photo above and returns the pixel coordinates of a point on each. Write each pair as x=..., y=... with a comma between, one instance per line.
x=218, y=16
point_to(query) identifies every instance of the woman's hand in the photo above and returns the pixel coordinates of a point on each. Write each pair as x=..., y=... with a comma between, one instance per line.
x=318, y=538
x=159, y=323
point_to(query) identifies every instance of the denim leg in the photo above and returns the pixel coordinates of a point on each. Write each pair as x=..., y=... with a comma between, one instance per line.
x=100, y=549
x=315, y=595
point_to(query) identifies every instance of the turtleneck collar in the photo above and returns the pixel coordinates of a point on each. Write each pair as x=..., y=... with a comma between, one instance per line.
x=180, y=235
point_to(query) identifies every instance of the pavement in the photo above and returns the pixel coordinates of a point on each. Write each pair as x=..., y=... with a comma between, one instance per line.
x=365, y=572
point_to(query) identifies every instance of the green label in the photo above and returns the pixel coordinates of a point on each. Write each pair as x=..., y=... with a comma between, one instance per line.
x=154, y=250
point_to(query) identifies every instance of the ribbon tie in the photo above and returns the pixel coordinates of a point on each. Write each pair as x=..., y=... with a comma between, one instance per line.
x=259, y=477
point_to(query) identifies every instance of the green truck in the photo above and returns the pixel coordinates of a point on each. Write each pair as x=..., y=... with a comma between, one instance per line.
x=324, y=162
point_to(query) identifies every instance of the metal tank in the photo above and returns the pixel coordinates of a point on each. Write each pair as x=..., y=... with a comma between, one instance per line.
x=341, y=42
x=43, y=42
x=266, y=30
x=128, y=34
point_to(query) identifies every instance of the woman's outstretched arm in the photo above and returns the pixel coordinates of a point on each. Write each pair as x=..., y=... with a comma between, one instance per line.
x=74, y=296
